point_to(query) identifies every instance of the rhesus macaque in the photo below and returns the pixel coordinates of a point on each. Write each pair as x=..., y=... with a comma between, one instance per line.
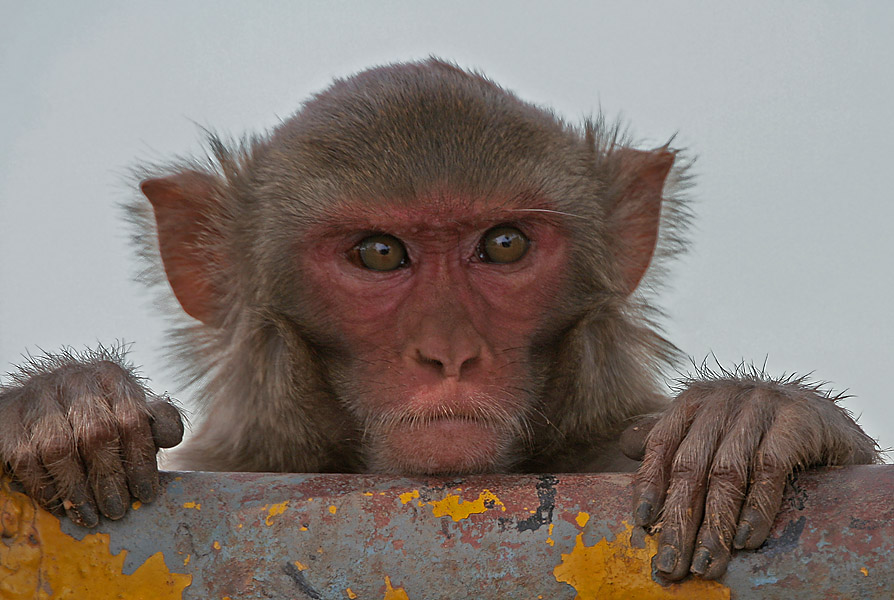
x=420, y=273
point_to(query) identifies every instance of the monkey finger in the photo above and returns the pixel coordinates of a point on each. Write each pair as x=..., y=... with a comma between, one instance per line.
x=95, y=428
x=166, y=423
x=37, y=482
x=685, y=502
x=70, y=480
x=633, y=439
x=651, y=480
x=772, y=467
x=138, y=452
x=728, y=483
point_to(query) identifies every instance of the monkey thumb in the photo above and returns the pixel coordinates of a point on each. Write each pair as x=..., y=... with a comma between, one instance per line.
x=633, y=439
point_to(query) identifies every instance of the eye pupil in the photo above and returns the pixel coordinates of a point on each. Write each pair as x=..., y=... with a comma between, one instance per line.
x=503, y=244
x=381, y=252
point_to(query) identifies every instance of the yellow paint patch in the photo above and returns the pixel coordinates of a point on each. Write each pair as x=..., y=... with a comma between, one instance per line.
x=582, y=518
x=274, y=510
x=192, y=505
x=187, y=559
x=302, y=528
x=349, y=592
x=136, y=505
x=617, y=570
x=392, y=593
x=549, y=535
x=865, y=572
x=454, y=507
x=301, y=566
x=216, y=545
x=366, y=494
x=38, y=561
x=408, y=496
x=332, y=509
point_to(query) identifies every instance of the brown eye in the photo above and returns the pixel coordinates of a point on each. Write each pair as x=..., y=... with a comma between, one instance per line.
x=503, y=245
x=382, y=252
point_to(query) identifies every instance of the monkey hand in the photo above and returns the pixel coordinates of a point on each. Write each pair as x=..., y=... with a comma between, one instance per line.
x=716, y=462
x=80, y=435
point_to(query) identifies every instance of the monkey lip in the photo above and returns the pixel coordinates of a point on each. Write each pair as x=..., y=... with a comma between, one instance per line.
x=445, y=445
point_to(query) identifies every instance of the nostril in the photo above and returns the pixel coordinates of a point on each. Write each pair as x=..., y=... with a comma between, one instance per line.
x=429, y=361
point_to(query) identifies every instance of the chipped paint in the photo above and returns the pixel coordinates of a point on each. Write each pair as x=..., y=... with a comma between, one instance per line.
x=332, y=509
x=833, y=538
x=408, y=496
x=136, y=505
x=350, y=592
x=392, y=593
x=193, y=505
x=36, y=564
x=453, y=505
x=618, y=570
x=274, y=510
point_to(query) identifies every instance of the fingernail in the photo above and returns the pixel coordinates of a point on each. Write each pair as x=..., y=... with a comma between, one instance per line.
x=113, y=506
x=84, y=515
x=666, y=561
x=742, y=535
x=643, y=514
x=701, y=561
x=145, y=491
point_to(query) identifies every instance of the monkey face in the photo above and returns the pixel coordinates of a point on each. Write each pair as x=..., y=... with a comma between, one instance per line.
x=438, y=301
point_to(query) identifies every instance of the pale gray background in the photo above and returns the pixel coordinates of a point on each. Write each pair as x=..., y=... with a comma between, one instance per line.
x=789, y=106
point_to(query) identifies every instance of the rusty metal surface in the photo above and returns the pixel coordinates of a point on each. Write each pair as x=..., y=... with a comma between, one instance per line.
x=216, y=535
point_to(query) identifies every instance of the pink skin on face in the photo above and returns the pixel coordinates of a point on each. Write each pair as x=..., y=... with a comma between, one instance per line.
x=442, y=341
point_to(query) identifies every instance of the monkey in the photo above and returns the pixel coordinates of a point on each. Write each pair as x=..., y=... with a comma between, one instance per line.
x=421, y=273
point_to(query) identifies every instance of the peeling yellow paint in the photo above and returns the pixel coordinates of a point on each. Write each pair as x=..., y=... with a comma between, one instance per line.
x=349, y=592
x=192, y=505
x=136, y=505
x=454, y=507
x=38, y=561
x=187, y=559
x=333, y=509
x=582, y=518
x=274, y=510
x=301, y=566
x=617, y=570
x=216, y=545
x=392, y=593
x=366, y=494
x=408, y=496
x=549, y=535
x=302, y=528
x=865, y=572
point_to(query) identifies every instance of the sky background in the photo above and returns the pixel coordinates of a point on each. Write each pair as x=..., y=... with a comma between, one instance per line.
x=789, y=107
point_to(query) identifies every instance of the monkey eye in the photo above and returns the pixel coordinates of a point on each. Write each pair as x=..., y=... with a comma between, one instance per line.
x=381, y=252
x=503, y=244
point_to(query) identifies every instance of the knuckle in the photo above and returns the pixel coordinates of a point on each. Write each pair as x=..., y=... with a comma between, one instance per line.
x=56, y=448
x=132, y=423
x=96, y=436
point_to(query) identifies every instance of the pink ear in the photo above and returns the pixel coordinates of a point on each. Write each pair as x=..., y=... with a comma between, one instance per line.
x=183, y=205
x=636, y=213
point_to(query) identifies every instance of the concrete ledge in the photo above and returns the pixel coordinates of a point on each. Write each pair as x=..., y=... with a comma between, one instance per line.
x=244, y=536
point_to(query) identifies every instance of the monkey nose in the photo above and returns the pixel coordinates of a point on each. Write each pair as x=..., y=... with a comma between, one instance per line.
x=449, y=363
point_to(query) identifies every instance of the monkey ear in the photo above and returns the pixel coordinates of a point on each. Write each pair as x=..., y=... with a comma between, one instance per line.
x=184, y=204
x=635, y=214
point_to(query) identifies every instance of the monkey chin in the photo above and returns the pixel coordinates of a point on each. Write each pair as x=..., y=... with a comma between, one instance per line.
x=441, y=446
